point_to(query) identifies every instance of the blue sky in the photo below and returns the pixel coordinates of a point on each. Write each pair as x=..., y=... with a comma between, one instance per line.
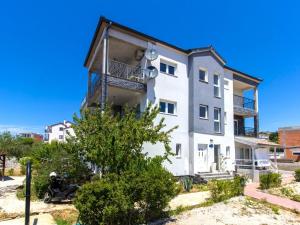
x=43, y=45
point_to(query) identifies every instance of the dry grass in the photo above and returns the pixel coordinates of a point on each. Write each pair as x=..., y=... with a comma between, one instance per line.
x=13, y=172
x=8, y=216
x=66, y=217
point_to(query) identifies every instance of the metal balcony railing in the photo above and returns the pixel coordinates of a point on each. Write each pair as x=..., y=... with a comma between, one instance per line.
x=119, y=70
x=245, y=131
x=125, y=71
x=96, y=80
x=243, y=102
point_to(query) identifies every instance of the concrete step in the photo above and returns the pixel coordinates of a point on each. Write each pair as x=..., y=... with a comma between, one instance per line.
x=218, y=176
x=210, y=173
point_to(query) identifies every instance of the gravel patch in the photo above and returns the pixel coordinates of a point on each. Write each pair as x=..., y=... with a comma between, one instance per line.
x=237, y=211
x=189, y=199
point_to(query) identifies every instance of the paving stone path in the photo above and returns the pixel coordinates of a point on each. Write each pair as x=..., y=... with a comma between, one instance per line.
x=252, y=190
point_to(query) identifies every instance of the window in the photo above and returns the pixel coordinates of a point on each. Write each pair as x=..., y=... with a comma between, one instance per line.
x=217, y=92
x=162, y=107
x=226, y=84
x=178, y=150
x=217, y=120
x=163, y=67
x=171, y=108
x=225, y=117
x=203, y=75
x=228, y=151
x=61, y=129
x=167, y=68
x=171, y=70
x=203, y=111
x=201, y=149
x=167, y=107
x=60, y=137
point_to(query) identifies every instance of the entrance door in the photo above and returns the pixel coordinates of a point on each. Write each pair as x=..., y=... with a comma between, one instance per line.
x=203, y=157
x=216, y=156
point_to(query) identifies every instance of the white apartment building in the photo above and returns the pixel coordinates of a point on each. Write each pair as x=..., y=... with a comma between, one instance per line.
x=194, y=88
x=59, y=132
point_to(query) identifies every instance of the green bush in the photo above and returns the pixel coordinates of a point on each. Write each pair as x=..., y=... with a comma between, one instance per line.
x=59, y=158
x=152, y=187
x=269, y=180
x=225, y=189
x=11, y=172
x=239, y=183
x=138, y=195
x=187, y=183
x=104, y=202
x=297, y=175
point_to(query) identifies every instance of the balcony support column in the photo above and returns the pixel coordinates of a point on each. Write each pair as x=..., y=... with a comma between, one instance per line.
x=104, y=93
x=256, y=117
x=88, y=96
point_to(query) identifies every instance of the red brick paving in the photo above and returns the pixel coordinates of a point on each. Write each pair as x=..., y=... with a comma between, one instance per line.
x=251, y=190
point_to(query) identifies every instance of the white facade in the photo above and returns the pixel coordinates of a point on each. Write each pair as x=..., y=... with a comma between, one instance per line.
x=59, y=132
x=197, y=146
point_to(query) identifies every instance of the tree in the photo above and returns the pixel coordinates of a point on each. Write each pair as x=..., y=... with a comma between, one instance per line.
x=111, y=141
x=15, y=146
x=7, y=143
x=274, y=137
x=133, y=188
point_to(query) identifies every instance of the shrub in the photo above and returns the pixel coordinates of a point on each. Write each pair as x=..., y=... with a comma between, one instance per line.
x=288, y=192
x=138, y=195
x=269, y=180
x=11, y=172
x=104, y=202
x=239, y=183
x=225, y=189
x=297, y=175
x=59, y=158
x=23, y=162
x=296, y=197
x=152, y=187
x=187, y=183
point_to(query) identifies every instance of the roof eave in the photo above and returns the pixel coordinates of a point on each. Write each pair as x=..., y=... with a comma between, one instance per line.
x=258, y=80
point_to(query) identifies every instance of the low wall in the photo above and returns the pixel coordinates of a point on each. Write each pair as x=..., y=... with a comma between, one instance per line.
x=249, y=173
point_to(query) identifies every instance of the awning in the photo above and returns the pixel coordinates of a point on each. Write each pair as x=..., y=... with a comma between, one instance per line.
x=255, y=142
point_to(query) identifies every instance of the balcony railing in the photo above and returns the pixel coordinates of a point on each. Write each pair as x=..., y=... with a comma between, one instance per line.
x=125, y=71
x=243, y=102
x=245, y=131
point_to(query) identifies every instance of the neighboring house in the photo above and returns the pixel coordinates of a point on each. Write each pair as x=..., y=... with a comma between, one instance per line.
x=59, y=132
x=194, y=89
x=35, y=136
x=289, y=139
x=264, y=135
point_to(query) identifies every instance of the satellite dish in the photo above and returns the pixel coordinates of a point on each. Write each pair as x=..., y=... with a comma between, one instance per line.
x=151, y=54
x=151, y=72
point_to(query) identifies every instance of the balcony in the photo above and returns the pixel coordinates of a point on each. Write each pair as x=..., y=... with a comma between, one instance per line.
x=127, y=72
x=244, y=131
x=244, y=106
x=121, y=75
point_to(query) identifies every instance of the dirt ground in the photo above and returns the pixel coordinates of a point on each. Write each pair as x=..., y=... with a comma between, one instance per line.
x=292, y=188
x=10, y=204
x=237, y=211
x=289, y=166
